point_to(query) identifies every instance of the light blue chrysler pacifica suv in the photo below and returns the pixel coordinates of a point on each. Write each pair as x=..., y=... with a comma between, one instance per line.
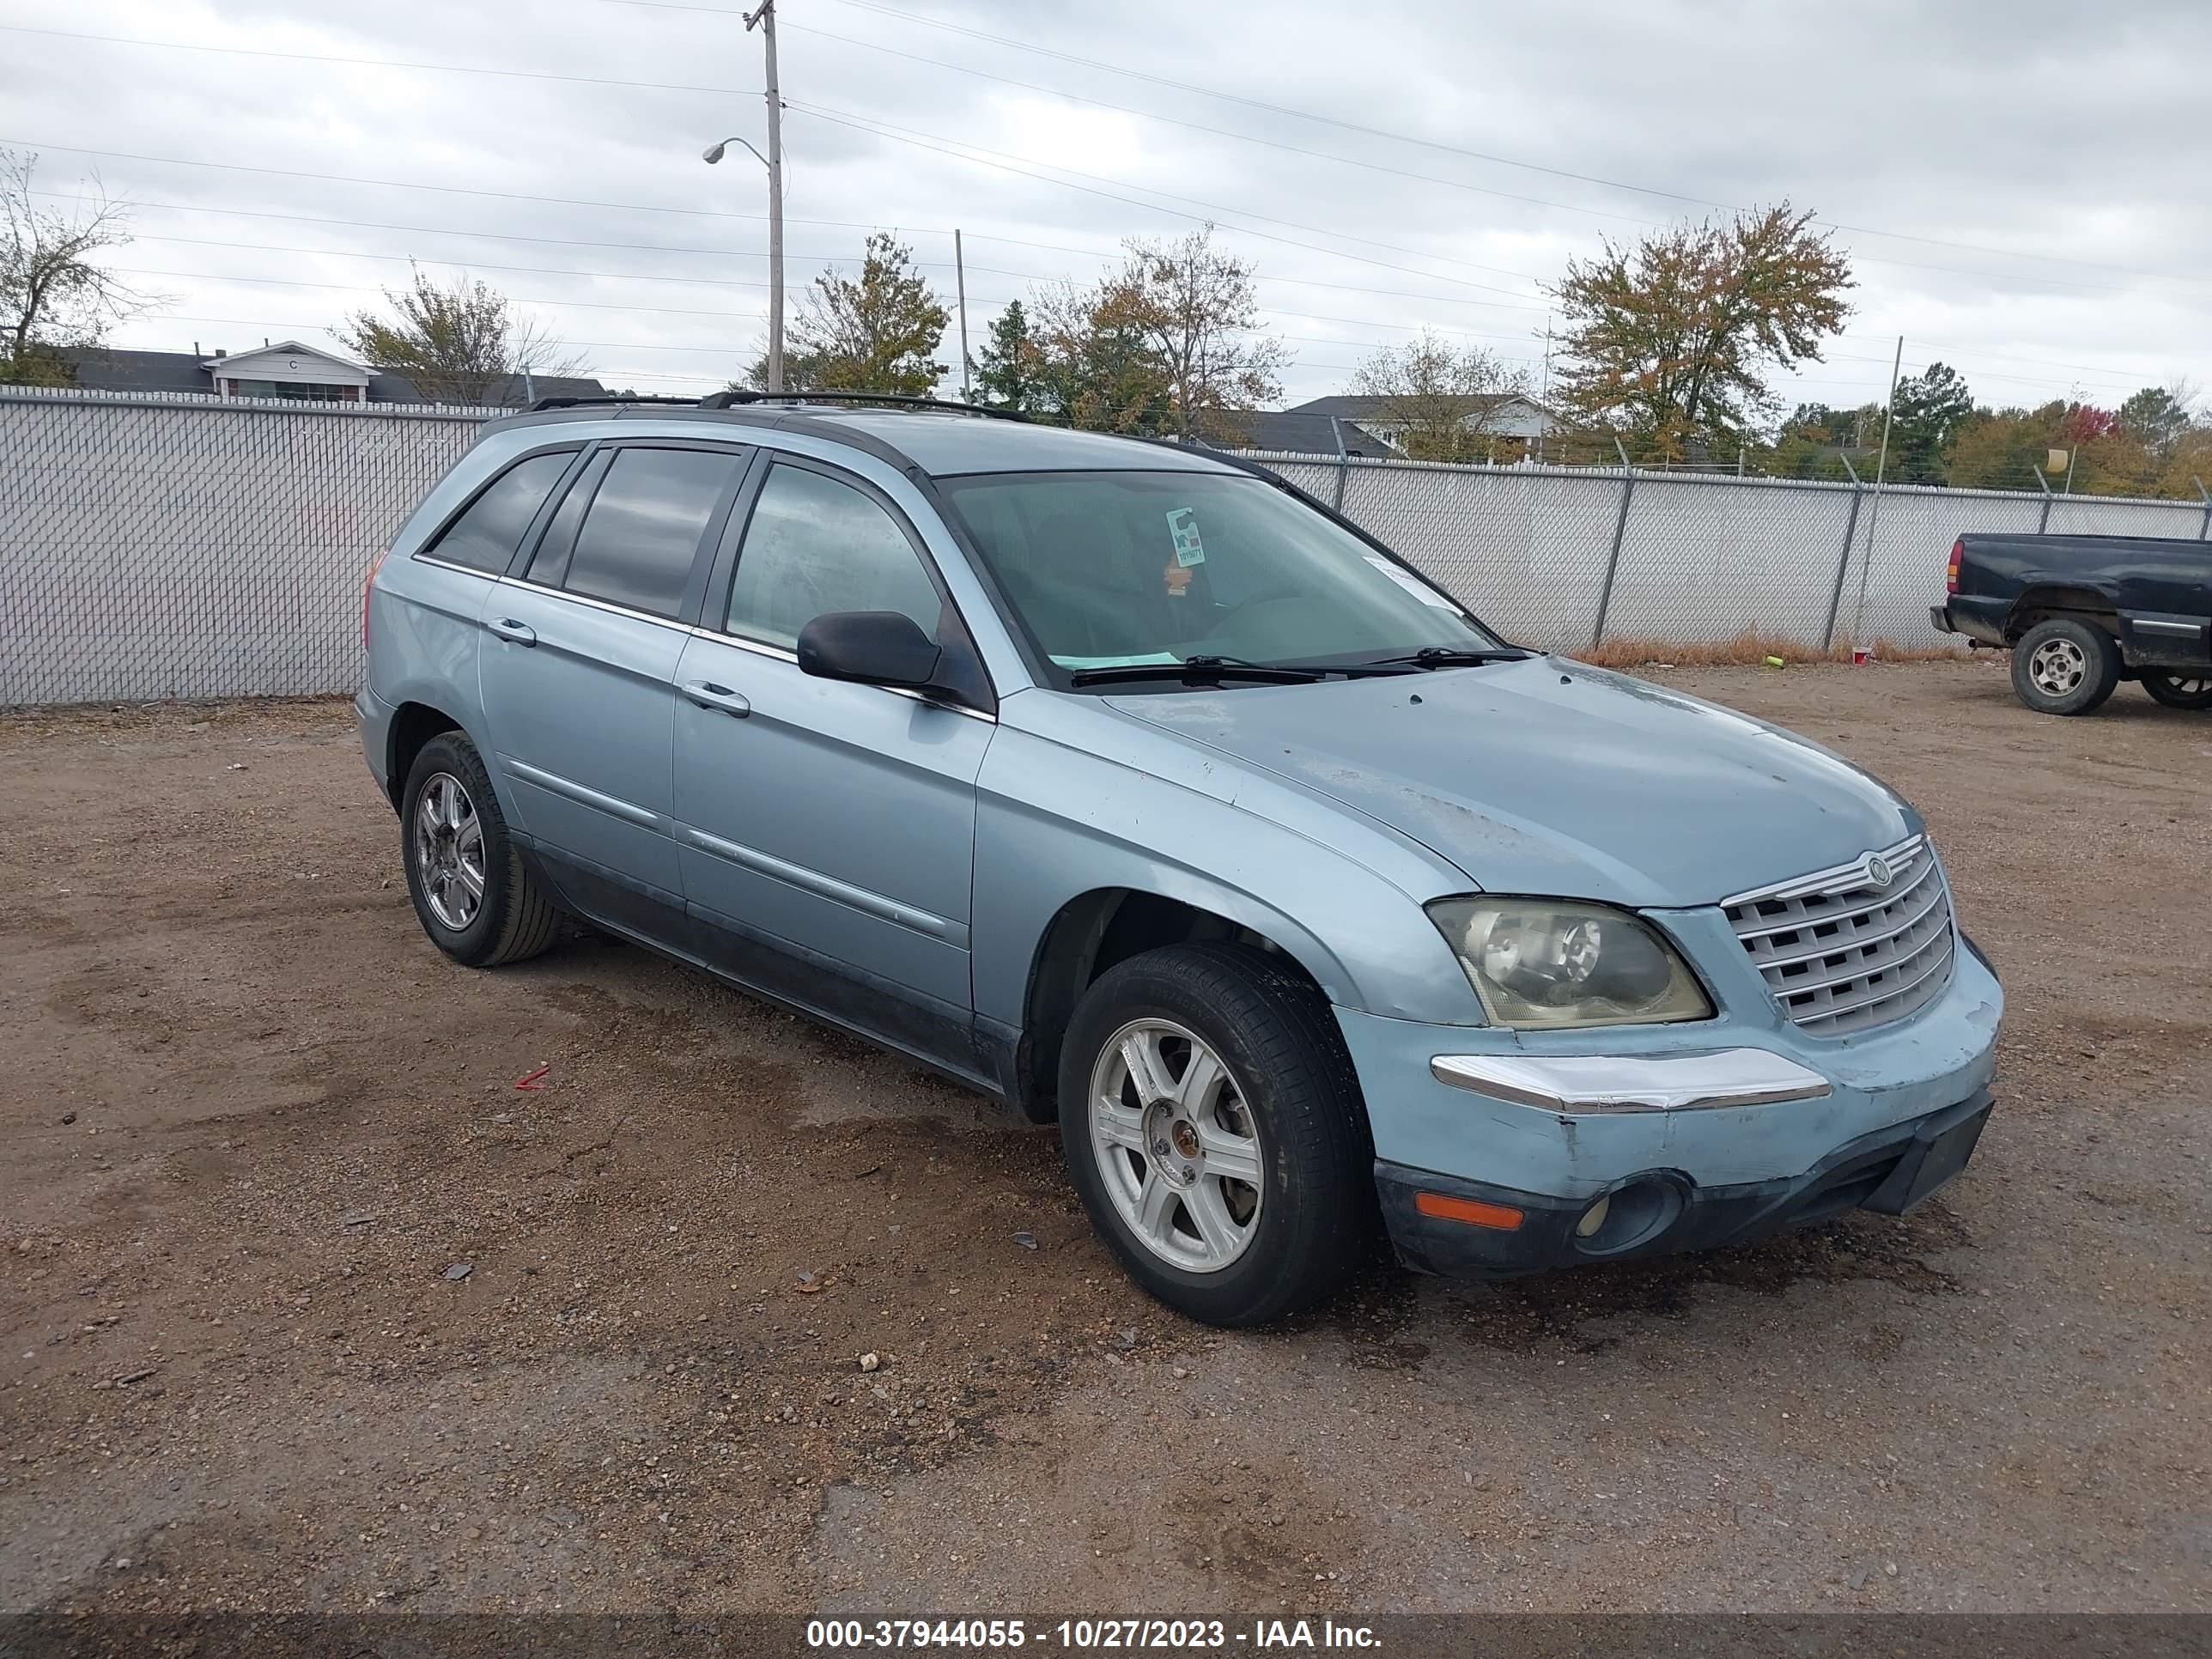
x=1129, y=785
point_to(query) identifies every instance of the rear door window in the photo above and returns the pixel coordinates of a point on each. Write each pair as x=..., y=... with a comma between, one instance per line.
x=640, y=535
x=492, y=527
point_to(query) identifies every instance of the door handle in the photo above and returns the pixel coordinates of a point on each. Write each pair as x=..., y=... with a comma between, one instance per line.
x=508, y=629
x=708, y=694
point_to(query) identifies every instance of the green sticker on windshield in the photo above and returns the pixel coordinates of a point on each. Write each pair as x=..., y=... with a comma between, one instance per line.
x=1182, y=526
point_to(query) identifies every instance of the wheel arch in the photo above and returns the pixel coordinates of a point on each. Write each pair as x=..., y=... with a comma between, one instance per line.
x=1090, y=933
x=411, y=727
x=2042, y=601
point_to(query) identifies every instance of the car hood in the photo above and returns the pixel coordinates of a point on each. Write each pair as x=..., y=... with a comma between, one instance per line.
x=1547, y=776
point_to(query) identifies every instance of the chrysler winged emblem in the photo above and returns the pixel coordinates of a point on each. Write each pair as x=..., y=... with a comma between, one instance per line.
x=1878, y=873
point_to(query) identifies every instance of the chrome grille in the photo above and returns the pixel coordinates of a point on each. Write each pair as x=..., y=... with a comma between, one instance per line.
x=1842, y=952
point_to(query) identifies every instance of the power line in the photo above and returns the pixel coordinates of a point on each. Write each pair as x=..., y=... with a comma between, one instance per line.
x=747, y=253
x=1435, y=144
x=378, y=63
x=712, y=213
x=1006, y=164
x=1862, y=230
x=1224, y=132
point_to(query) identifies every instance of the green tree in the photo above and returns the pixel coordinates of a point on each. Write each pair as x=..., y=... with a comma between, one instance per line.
x=876, y=332
x=1442, y=401
x=1670, y=339
x=1005, y=371
x=1927, y=414
x=460, y=341
x=1093, y=364
x=55, y=301
x=2157, y=417
x=1198, y=310
x=2005, y=448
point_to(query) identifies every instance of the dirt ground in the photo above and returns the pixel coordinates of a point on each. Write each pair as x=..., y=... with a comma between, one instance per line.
x=307, y=1305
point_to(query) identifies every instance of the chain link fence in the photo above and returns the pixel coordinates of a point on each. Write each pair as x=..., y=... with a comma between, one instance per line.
x=1567, y=557
x=160, y=546
x=170, y=545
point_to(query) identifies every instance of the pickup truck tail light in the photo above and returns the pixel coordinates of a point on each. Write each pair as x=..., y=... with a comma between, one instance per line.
x=1951, y=570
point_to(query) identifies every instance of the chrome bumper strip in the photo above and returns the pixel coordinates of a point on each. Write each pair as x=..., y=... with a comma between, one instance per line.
x=1576, y=1084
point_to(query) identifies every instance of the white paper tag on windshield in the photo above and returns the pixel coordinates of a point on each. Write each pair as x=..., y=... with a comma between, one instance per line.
x=1182, y=526
x=1419, y=589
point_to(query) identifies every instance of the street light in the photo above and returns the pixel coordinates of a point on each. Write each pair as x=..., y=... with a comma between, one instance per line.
x=712, y=154
x=715, y=152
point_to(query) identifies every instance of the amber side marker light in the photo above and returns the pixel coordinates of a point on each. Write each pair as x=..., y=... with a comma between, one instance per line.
x=1472, y=1210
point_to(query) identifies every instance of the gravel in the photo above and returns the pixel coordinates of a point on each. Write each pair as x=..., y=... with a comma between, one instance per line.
x=643, y=1394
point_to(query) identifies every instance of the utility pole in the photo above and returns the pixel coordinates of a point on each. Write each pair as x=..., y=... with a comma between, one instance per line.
x=1881, y=472
x=960, y=283
x=1544, y=399
x=765, y=18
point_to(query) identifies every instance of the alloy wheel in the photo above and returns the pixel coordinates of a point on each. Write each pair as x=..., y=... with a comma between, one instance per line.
x=1177, y=1144
x=448, y=846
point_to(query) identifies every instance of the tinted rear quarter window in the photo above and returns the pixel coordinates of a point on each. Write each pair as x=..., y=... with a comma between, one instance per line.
x=640, y=536
x=487, y=533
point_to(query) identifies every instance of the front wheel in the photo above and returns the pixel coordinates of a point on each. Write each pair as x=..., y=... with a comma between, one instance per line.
x=2065, y=666
x=2179, y=690
x=1214, y=1131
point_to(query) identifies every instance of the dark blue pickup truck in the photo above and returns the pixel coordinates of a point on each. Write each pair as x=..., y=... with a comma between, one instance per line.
x=2082, y=613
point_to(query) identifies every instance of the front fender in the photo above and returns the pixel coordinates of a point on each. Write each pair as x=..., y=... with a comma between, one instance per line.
x=1054, y=822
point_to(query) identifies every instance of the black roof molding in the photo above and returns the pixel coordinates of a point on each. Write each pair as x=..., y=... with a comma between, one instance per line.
x=738, y=399
x=544, y=403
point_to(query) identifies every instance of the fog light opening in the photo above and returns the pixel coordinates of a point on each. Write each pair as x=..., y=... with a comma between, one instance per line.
x=1628, y=1216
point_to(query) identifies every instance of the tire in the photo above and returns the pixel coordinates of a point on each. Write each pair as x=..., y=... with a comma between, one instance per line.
x=512, y=916
x=1287, y=1107
x=2065, y=666
x=2183, y=688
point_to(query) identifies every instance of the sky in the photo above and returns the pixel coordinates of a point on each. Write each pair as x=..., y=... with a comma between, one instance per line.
x=2021, y=186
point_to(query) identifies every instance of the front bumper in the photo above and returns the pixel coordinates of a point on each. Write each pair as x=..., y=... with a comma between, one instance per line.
x=1730, y=1167
x=1889, y=1171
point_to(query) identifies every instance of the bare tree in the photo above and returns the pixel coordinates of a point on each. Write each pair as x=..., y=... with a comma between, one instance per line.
x=461, y=342
x=1440, y=403
x=54, y=301
x=1196, y=307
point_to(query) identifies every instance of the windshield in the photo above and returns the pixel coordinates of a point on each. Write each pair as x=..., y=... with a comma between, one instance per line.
x=1110, y=569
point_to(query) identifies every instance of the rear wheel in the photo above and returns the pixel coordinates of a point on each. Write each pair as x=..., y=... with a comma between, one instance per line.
x=2179, y=690
x=2065, y=666
x=1214, y=1131
x=473, y=895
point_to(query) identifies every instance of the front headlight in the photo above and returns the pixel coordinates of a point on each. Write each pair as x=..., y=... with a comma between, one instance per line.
x=1545, y=963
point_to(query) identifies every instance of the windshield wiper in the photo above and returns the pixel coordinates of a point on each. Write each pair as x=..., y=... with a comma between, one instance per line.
x=1450, y=656
x=1197, y=671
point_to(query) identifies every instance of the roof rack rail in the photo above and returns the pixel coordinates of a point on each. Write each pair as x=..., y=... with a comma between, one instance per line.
x=544, y=404
x=739, y=399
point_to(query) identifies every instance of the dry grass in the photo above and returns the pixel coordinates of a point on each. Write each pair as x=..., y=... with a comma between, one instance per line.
x=1748, y=649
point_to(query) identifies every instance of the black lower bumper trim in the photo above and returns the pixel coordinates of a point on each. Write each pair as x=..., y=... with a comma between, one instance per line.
x=1889, y=1171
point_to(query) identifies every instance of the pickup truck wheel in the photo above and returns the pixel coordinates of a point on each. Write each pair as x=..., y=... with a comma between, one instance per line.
x=2062, y=666
x=1215, y=1132
x=2179, y=690
x=473, y=895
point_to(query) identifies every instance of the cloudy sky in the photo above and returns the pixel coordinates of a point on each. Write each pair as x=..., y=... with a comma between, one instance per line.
x=2022, y=185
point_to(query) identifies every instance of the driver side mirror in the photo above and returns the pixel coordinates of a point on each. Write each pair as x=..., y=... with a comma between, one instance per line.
x=868, y=647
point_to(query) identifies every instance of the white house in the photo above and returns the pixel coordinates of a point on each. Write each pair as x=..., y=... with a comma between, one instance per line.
x=288, y=369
